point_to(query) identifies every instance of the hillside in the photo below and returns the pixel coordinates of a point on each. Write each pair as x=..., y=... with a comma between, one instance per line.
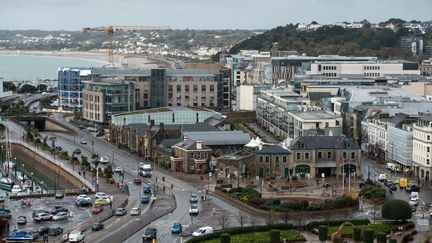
x=383, y=43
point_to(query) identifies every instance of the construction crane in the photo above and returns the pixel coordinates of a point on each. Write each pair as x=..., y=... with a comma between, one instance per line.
x=110, y=30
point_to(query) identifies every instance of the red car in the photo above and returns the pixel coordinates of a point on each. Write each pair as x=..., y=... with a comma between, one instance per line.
x=137, y=181
x=96, y=209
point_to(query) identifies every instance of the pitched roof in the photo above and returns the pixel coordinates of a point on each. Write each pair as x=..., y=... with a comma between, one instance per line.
x=169, y=142
x=272, y=149
x=398, y=118
x=189, y=145
x=323, y=142
x=220, y=138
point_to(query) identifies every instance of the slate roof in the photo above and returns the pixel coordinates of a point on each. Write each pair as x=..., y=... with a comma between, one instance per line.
x=272, y=149
x=398, y=118
x=169, y=142
x=189, y=145
x=426, y=117
x=220, y=138
x=322, y=142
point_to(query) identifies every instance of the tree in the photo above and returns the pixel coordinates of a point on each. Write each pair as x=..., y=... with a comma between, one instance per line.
x=396, y=209
x=224, y=220
x=28, y=88
x=108, y=171
x=9, y=86
x=241, y=218
x=42, y=87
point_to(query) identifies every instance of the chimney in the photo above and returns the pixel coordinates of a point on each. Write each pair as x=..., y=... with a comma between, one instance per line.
x=151, y=123
x=161, y=127
x=185, y=138
x=199, y=144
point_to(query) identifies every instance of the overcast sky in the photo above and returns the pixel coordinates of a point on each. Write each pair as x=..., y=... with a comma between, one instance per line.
x=201, y=14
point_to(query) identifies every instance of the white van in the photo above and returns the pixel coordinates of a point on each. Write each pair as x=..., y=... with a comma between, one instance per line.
x=414, y=196
x=203, y=231
x=382, y=177
x=76, y=236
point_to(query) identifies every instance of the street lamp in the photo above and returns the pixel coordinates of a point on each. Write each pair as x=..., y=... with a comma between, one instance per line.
x=31, y=178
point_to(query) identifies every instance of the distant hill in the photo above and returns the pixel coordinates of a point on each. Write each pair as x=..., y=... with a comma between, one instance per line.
x=327, y=39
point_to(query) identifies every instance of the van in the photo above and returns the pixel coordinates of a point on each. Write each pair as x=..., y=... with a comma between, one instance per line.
x=203, y=231
x=382, y=177
x=414, y=196
x=76, y=236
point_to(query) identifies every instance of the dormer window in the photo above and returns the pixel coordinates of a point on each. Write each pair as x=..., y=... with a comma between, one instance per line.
x=302, y=145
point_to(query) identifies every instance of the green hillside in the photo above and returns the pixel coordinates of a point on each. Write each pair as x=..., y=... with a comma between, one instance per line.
x=383, y=43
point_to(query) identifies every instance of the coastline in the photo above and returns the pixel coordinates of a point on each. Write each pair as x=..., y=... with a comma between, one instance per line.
x=83, y=55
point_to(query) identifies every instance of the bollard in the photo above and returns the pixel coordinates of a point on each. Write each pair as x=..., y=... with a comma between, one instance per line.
x=275, y=236
x=322, y=232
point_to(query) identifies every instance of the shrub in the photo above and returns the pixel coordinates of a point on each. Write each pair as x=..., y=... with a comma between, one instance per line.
x=368, y=236
x=356, y=233
x=315, y=224
x=381, y=238
x=396, y=209
x=372, y=191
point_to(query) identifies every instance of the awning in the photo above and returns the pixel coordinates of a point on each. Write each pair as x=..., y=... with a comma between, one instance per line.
x=326, y=165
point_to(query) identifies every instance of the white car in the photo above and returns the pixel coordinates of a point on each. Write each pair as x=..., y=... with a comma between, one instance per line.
x=83, y=141
x=135, y=211
x=103, y=160
x=194, y=209
x=118, y=169
x=203, y=231
x=76, y=236
x=100, y=194
x=60, y=216
x=82, y=196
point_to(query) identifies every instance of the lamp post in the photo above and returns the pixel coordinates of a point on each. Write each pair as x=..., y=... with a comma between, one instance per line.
x=15, y=165
x=31, y=178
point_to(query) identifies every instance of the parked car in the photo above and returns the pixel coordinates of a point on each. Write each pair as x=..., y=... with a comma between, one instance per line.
x=135, y=212
x=103, y=160
x=176, y=228
x=194, y=209
x=60, y=216
x=59, y=148
x=22, y=220
x=145, y=199
x=203, y=231
x=87, y=202
x=83, y=141
x=149, y=234
x=2, y=198
x=100, y=194
x=393, y=187
x=5, y=213
x=42, y=217
x=43, y=230
x=137, y=181
x=193, y=198
x=77, y=151
x=55, y=231
x=58, y=209
x=146, y=189
x=76, y=236
x=59, y=195
x=120, y=211
x=38, y=211
x=97, y=226
x=96, y=209
x=118, y=169
x=412, y=188
x=413, y=203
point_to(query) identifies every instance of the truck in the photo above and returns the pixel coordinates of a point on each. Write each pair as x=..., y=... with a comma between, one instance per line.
x=145, y=170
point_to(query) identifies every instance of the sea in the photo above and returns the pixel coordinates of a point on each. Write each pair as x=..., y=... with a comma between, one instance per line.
x=17, y=67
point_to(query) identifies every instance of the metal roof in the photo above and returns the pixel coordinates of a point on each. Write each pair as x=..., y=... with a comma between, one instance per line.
x=220, y=138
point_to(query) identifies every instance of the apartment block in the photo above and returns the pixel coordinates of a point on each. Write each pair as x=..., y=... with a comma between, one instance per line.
x=315, y=123
x=422, y=144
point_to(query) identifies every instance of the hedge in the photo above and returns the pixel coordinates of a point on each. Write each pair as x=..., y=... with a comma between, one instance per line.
x=239, y=230
x=314, y=224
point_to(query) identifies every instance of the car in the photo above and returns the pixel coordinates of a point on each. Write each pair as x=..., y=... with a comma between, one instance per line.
x=145, y=199
x=194, y=209
x=100, y=194
x=43, y=230
x=414, y=196
x=87, y=202
x=96, y=209
x=203, y=231
x=149, y=234
x=60, y=216
x=103, y=160
x=176, y=228
x=135, y=212
x=382, y=177
x=77, y=151
x=5, y=213
x=83, y=141
x=412, y=188
x=22, y=220
x=38, y=211
x=102, y=201
x=386, y=182
x=393, y=187
x=55, y=231
x=118, y=169
x=193, y=198
x=2, y=198
x=82, y=127
x=82, y=196
x=76, y=236
x=120, y=211
x=58, y=209
x=42, y=217
x=413, y=203
x=137, y=181
x=146, y=189
x=92, y=129
x=59, y=195
x=97, y=226
x=59, y=148
x=413, y=208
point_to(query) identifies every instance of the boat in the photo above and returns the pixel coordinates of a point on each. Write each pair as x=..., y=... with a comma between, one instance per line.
x=6, y=184
x=19, y=236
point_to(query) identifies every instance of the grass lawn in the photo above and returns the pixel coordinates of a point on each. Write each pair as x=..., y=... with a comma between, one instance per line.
x=377, y=228
x=262, y=237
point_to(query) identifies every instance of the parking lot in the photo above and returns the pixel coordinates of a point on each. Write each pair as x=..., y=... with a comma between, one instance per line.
x=77, y=216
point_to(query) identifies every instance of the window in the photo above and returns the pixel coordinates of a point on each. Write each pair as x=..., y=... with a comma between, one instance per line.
x=329, y=155
x=192, y=155
x=261, y=159
x=428, y=149
x=337, y=123
x=353, y=155
x=319, y=155
x=298, y=156
x=427, y=161
x=306, y=155
x=428, y=137
x=344, y=155
x=277, y=159
x=284, y=159
x=267, y=159
x=302, y=145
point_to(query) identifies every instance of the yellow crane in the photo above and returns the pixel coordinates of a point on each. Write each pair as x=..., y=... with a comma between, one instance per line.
x=110, y=30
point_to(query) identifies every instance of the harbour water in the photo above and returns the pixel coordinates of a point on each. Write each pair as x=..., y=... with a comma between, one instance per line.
x=29, y=67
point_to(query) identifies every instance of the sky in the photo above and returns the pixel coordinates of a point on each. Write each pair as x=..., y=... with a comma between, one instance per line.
x=202, y=14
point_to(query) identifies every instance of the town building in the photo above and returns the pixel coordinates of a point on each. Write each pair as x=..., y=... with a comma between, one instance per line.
x=190, y=156
x=422, y=144
x=426, y=67
x=271, y=161
x=247, y=95
x=314, y=123
x=412, y=44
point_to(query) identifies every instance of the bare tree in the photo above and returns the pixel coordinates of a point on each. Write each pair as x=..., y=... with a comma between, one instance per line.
x=299, y=221
x=224, y=220
x=253, y=221
x=286, y=217
x=271, y=219
x=327, y=216
x=242, y=218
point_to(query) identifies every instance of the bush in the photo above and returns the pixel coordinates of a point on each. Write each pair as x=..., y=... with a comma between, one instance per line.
x=356, y=233
x=368, y=236
x=315, y=224
x=396, y=209
x=372, y=191
x=381, y=238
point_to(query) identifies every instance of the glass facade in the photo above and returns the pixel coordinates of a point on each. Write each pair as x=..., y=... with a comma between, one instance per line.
x=157, y=88
x=70, y=86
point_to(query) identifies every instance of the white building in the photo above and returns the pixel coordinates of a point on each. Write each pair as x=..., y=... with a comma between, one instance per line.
x=246, y=97
x=422, y=143
x=314, y=123
x=370, y=69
